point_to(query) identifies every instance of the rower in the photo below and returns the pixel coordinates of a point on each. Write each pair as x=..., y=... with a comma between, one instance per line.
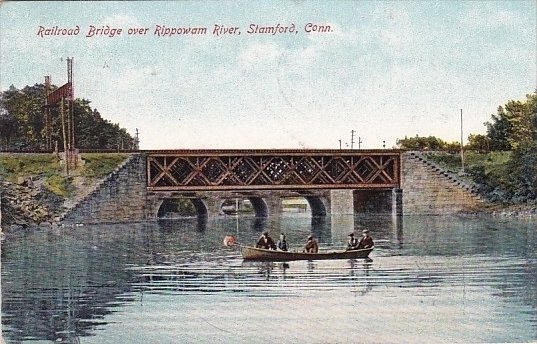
x=311, y=245
x=366, y=241
x=352, y=244
x=266, y=242
x=282, y=243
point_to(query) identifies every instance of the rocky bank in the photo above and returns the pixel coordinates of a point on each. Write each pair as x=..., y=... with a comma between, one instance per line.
x=28, y=203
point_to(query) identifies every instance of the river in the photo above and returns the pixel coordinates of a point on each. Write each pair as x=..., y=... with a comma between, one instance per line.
x=430, y=279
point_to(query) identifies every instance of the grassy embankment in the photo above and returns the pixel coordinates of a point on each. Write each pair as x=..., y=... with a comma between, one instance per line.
x=489, y=171
x=19, y=167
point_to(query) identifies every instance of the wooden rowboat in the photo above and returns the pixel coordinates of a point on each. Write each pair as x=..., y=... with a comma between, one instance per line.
x=252, y=253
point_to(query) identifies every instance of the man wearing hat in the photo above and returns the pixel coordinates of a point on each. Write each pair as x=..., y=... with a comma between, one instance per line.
x=366, y=241
x=311, y=245
x=266, y=242
x=282, y=243
x=352, y=244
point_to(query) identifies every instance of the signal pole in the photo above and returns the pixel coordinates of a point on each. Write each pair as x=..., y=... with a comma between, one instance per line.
x=352, y=139
x=462, y=147
x=48, y=120
x=71, y=113
x=65, y=150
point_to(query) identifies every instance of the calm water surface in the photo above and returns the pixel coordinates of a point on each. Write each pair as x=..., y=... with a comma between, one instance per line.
x=431, y=279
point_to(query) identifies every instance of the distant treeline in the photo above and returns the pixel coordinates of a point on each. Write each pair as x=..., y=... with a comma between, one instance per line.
x=508, y=170
x=22, y=123
x=514, y=126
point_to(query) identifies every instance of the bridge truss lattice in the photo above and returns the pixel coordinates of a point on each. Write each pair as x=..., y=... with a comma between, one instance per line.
x=283, y=169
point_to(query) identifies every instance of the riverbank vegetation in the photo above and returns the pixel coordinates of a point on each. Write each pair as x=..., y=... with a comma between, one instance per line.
x=28, y=169
x=99, y=165
x=502, y=163
x=35, y=190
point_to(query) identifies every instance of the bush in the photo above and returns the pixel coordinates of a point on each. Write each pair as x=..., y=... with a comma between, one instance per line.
x=61, y=186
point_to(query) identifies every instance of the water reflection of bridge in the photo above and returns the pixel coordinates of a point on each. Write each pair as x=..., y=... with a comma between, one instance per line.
x=61, y=285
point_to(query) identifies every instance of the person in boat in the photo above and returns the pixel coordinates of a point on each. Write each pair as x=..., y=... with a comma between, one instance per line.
x=366, y=241
x=311, y=245
x=282, y=243
x=266, y=242
x=352, y=244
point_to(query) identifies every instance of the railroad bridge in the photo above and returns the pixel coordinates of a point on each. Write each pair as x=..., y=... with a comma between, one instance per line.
x=332, y=181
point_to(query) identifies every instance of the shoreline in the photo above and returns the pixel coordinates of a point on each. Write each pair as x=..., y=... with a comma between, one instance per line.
x=31, y=206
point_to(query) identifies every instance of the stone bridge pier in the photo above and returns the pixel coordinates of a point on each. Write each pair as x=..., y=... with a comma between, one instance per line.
x=332, y=182
x=124, y=197
x=264, y=203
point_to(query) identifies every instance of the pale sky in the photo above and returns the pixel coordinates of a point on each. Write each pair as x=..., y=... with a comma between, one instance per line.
x=386, y=69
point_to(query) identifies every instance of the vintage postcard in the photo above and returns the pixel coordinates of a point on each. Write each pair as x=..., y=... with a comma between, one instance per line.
x=268, y=172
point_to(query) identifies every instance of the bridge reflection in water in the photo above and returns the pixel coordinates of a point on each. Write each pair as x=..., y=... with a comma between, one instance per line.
x=103, y=282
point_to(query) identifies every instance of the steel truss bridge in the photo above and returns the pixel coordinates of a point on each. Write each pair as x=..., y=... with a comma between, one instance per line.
x=219, y=170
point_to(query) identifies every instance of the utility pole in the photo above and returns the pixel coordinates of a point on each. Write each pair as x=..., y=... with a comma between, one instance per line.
x=462, y=147
x=48, y=120
x=339, y=143
x=137, y=141
x=359, y=142
x=352, y=139
x=65, y=150
x=71, y=113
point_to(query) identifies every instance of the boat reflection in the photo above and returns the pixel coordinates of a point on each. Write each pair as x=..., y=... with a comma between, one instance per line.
x=65, y=284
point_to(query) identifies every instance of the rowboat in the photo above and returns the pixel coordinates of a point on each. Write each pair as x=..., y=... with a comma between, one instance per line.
x=253, y=253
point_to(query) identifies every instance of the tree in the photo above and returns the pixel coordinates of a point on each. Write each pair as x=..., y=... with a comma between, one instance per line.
x=478, y=142
x=421, y=143
x=524, y=171
x=22, y=122
x=514, y=125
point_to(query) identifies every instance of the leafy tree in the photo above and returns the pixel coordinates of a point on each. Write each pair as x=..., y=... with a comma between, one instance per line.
x=514, y=125
x=452, y=147
x=523, y=168
x=478, y=142
x=421, y=143
x=22, y=122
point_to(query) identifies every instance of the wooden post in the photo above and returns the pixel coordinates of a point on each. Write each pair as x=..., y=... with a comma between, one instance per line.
x=68, y=124
x=48, y=124
x=71, y=102
x=65, y=150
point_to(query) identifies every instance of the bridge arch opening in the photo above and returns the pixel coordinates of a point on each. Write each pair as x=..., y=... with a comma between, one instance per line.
x=318, y=208
x=310, y=204
x=233, y=206
x=181, y=207
x=260, y=206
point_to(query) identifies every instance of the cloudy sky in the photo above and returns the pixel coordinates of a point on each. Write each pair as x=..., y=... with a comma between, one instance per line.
x=385, y=69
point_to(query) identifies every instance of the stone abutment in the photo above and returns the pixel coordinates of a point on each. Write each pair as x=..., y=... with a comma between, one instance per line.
x=425, y=189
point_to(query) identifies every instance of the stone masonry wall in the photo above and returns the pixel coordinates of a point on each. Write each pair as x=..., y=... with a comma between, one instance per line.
x=427, y=189
x=341, y=202
x=122, y=197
